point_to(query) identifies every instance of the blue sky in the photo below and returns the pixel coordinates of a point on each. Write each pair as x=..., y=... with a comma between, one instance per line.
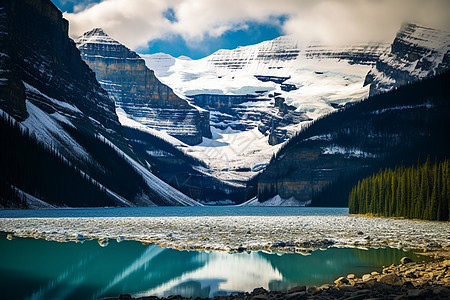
x=248, y=33
x=175, y=45
x=197, y=28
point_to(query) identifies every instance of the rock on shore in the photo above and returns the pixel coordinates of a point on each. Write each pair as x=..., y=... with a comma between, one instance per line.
x=407, y=280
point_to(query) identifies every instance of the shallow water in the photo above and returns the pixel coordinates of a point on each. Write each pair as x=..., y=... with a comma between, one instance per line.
x=173, y=211
x=39, y=269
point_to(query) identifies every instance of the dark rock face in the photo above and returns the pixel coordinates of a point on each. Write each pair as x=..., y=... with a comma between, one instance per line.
x=275, y=79
x=302, y=172
x=138, y=92
x=212, y=101
x=416, y=53
x=288, y=87
x=35, y=49
x=52, y=92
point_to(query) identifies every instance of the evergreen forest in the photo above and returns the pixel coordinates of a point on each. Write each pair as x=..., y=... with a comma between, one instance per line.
x=417, y=192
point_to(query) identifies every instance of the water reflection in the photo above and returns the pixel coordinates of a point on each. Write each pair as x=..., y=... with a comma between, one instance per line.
x=38, y=269
x=221, y=273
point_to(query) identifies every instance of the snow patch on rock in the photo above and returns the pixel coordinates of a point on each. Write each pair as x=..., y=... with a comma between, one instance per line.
x=276, y=201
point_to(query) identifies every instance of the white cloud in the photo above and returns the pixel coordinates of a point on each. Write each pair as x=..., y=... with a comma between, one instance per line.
x=131, y=22
x=358, y=21
x=135, y=22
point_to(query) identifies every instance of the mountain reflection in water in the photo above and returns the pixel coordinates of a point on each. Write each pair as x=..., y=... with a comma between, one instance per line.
x=39, y=269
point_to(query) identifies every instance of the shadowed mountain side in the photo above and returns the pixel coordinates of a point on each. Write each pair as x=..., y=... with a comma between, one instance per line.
x=57, y=103
x=325, y=160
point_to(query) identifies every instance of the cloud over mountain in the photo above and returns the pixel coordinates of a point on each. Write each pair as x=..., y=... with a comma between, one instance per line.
x=332, y=21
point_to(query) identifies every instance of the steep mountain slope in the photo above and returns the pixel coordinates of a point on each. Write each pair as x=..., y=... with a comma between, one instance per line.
x=263, y=94
x=324, y=161
x=52, y=93
x=29, y=165
x=137, y=91
x=416, y=53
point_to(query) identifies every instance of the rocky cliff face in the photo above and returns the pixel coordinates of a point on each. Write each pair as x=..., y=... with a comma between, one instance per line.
x=245, y=112
x=416, y=53
x=36, y=49
x=137, y=91
x=303, y=172
x=54, y=96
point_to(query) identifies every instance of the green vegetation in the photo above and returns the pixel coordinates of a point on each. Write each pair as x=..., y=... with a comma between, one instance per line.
x=421, y=192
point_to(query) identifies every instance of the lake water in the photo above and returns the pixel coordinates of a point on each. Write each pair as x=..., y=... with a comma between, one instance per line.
x=173, y=211
x=39, y=269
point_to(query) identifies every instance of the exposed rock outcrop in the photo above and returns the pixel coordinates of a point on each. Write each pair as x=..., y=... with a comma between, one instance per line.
x=138, y=92
x=416, y=53
x=245, y=112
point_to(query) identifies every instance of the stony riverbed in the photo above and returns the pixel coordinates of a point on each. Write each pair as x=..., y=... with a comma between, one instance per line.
x=239, y=233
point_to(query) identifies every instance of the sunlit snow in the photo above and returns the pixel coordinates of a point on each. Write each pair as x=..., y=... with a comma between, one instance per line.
x=321, y=79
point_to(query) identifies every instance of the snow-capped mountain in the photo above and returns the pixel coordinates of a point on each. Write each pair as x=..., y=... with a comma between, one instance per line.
x=264, y=94
x=416, y=53
x=338, y=71
x=53, y=97
x=136, y=90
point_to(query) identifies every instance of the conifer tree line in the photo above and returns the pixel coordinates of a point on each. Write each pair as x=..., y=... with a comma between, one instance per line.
x=31, y=166
x=417, y=192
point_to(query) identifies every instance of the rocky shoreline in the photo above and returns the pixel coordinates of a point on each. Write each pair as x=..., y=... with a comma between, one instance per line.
x=408, y=280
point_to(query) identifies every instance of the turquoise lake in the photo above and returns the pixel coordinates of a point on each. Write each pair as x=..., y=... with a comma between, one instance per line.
x=172, y=211
x=39, y=269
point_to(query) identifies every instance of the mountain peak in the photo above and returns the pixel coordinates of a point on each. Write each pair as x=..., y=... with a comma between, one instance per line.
x=96, y=41
x=95, y=36
x=95, y=32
